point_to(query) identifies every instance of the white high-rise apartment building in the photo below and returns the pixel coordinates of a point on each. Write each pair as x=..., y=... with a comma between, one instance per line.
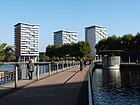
x=26, y=41
x=64, y=36
x=93, y=35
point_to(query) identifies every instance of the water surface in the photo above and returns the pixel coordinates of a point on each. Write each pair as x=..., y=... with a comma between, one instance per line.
x=116, y=87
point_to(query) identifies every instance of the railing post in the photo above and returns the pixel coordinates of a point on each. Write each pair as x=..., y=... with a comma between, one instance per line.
x=129, y=60
x=37, y=72
x=50, y=69
x=57, y=67
x=72, y=64
x=16, y=76
x=67, y=65
x=62, y=66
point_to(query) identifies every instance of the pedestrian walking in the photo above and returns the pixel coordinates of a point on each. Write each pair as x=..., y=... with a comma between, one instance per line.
x=30, y=68
x=85, y=63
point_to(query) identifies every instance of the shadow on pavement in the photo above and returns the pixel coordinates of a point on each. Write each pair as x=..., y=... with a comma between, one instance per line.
x=55, y=94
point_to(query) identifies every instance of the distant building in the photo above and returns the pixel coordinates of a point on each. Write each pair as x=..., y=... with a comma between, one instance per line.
x=93, y=35
x=64, y=36
x=26, y=41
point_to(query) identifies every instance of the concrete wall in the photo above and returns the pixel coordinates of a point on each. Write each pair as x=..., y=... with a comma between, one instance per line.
x=111, y=62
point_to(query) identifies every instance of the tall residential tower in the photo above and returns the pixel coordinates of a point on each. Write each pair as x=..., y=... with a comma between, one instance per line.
x=26, y=41
x=64, y=36
x=93, y=35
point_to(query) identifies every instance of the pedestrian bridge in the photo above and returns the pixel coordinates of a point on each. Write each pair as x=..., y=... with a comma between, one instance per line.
x=62, y=84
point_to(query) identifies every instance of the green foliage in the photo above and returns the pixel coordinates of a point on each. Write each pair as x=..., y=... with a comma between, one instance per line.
x=127, y=43
x=51, y=50
x=83, y=48
x=6, y=53
x=80, y=49
x=135, y=43
x=2, y=51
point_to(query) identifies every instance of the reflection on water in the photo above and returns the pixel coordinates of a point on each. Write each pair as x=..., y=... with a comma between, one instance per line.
x=116, y=87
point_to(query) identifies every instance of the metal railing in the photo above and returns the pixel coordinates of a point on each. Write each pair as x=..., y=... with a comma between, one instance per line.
x=18, y=71
x=90, y=91
x=94, y=65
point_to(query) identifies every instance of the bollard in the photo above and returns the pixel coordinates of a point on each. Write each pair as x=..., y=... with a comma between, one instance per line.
x=37, y=72
x=16, y=76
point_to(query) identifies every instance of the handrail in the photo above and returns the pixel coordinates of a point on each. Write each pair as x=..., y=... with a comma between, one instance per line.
x=93, y=66
x=90, y=91
x=35, y=62
x=52, y=68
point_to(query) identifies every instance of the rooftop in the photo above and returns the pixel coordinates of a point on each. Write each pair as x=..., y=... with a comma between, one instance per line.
x=67, y=31
x=95, y=26
x=22, y=23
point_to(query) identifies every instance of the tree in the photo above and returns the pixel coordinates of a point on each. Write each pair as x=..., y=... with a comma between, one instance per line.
x=126, y=42
x=79, y=49
x=2, y=50
x=52, y=51
x=135, y=43
x=6, y=52
x=84, y=48
x=101, y=45
x=9, y=54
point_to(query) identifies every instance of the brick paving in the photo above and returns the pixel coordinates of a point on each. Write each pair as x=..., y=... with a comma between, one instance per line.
x=65, y=88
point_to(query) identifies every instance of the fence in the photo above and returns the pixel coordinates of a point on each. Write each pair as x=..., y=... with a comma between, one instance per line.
x=18, y=70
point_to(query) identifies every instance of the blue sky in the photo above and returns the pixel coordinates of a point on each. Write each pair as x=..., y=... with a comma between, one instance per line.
x=119, y=16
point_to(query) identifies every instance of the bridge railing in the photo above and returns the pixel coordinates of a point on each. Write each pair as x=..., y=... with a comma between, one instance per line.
x=18, y=70
x=90, y=91
x=94, y=65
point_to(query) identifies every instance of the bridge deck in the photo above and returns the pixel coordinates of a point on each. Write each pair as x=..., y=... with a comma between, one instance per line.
x=65, y=88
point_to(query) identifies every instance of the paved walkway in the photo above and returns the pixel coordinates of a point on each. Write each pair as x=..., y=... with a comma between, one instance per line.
x=65, y=88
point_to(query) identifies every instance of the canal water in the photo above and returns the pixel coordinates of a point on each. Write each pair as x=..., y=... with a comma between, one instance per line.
x=116, y=87
x=22, y=72
x=11, y=68
x=7, y=67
